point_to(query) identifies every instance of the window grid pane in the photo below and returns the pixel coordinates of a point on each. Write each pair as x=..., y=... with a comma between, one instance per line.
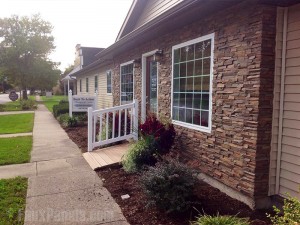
x=87, y=85
x=191, y=83
x=108, y=80
x=126, y=84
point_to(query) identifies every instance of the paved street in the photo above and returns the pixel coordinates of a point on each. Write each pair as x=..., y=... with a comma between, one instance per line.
x=4, y=98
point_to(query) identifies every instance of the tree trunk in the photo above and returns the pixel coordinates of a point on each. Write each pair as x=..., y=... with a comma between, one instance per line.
x=25, y=97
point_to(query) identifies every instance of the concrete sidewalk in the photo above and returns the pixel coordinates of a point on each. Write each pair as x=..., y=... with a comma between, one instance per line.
x=62, y=188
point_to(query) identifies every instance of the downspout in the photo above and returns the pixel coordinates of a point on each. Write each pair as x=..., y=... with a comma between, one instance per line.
x=281, y=106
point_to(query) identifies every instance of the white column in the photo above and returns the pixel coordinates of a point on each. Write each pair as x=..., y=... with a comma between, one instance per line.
x=70, y=98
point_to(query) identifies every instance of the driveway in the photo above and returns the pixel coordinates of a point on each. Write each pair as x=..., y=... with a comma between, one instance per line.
x=4, y=98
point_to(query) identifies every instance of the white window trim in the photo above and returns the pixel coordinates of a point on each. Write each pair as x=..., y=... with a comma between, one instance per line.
x=188, y=125
x=111, y=81
x=133, y=80
x=144, y=72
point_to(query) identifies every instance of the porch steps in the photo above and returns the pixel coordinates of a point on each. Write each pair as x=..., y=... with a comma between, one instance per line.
x=106, y=156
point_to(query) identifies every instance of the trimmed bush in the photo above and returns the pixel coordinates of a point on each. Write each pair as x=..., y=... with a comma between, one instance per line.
x=28, y=104
x=66, y=121
x=220, y=220
x=72, y=121
x=169, y=186
x=290, y=213
x=61, y=108
x=140, y=154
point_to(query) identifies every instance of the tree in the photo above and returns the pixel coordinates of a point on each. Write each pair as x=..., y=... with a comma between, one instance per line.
x=26, y=43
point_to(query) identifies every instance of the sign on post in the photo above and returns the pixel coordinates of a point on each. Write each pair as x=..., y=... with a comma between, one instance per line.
x=13, y=96
x=81, y=103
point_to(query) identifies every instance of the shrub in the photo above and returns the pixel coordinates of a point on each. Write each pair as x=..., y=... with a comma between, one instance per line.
x=72, y=121
x=290, y=212
x=163, y=134
x=61, y=108
x=169, y=186
x=66, y=121
x=220, y=220
x=28, y=104
x=140, y=153
x=63, y=119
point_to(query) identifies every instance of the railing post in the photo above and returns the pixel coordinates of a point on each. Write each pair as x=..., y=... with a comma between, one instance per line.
x=90, y=129
x=136, y=119
x=70, y=98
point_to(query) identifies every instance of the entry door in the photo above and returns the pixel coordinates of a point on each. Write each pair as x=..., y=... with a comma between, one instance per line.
x=151, y=86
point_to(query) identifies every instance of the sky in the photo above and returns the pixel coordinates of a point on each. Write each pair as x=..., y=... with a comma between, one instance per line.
x=91, y=23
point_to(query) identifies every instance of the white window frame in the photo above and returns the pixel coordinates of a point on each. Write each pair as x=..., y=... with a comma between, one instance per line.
x=184, y=44
x=133, y=80
x=110, y=93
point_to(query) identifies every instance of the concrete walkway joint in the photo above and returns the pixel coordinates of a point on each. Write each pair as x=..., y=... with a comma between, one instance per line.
x=62, y=188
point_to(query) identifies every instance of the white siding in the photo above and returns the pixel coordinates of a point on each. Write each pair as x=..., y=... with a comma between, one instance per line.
x=289, y=180
x=153, y=9
x=104, y=100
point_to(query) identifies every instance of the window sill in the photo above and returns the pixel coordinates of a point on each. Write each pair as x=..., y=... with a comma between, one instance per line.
x=191, y=126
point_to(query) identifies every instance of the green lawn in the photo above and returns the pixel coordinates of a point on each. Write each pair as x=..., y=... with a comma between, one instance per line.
x=15, y=150
x=16, y=123
x=13, y=199
x=49, y=102
x=10, y=106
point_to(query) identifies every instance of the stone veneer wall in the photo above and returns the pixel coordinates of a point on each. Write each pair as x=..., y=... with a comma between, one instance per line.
x=236, y=152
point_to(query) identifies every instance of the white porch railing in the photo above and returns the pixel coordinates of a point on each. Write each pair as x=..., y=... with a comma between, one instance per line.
x=114, y=124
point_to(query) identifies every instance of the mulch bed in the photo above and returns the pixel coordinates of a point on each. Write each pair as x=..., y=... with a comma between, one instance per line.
x=211, y=201
x=78, y=135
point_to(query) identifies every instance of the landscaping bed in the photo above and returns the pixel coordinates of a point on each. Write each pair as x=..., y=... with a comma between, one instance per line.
x=210, y=200
x=78, y=135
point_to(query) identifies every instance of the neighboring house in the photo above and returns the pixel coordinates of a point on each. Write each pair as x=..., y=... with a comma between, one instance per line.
x=91, y=79
x=84, y=56
x=228, y=74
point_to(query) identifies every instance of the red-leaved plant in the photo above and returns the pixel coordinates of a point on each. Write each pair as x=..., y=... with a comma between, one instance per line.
x=163, y=134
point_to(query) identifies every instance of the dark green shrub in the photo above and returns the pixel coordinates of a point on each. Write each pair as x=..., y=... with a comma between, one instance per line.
x=220, y=220
x=2, y=108
x=290, y=213
x=61, y=108
x=28, y=104
x=141, y=153
x=63, y=119
x=169, y=185
x=72, y=121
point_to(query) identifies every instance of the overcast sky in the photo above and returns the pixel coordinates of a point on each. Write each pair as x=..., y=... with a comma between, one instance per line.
x=91, y=23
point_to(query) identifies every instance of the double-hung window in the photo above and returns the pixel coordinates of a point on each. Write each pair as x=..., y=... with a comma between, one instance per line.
x=126, y=83
x=192, y=83
x=80, y=85
x=96, y=83
x=108, y=82
x=87, y=85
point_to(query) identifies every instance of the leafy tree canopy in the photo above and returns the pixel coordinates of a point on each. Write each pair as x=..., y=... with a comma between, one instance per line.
x=26, y=43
